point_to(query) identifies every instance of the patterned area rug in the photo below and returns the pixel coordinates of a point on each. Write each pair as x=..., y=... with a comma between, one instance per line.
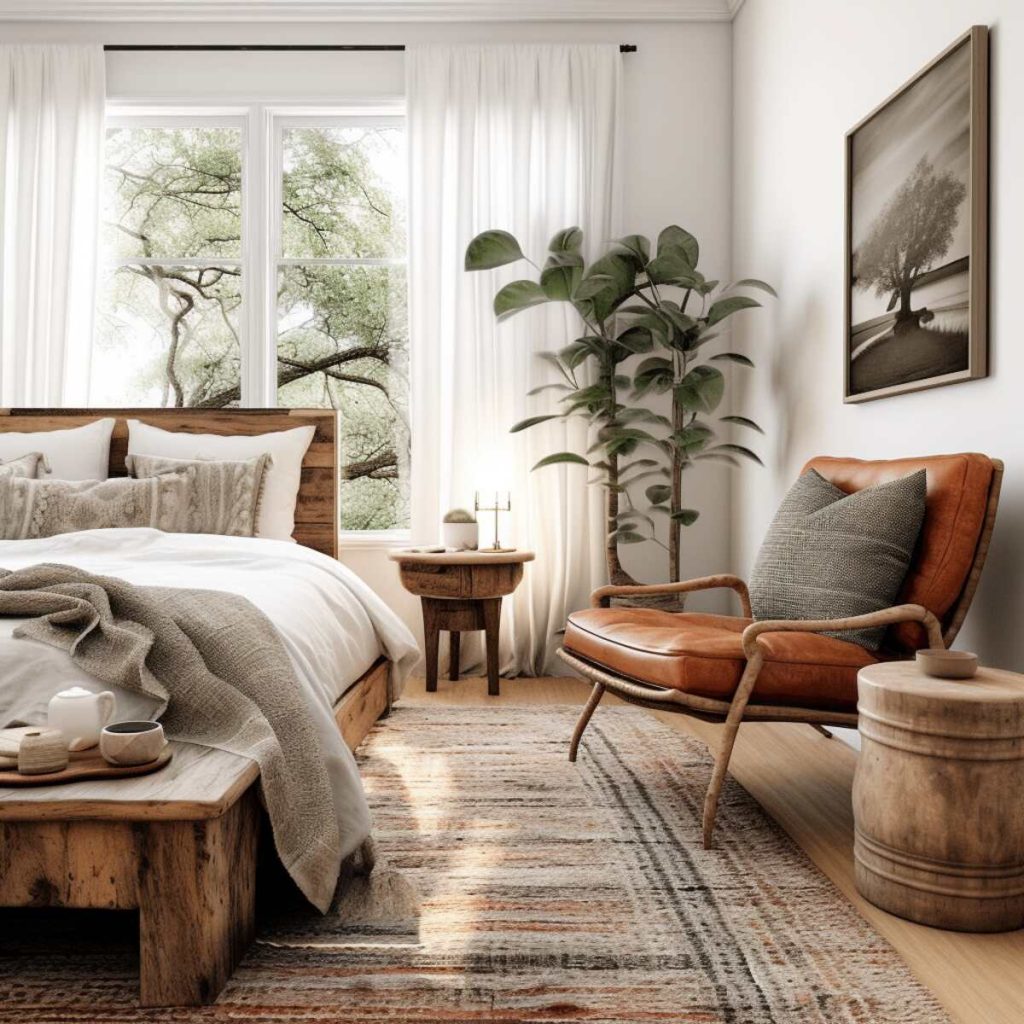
x=517, y=887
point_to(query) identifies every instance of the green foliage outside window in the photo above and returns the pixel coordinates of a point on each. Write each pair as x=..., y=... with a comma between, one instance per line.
x=170, y=330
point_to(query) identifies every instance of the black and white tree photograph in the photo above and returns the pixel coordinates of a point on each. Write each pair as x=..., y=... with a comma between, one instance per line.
x=915, y=231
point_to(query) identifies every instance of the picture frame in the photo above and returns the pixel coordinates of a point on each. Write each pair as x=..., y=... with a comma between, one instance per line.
x=916, y=231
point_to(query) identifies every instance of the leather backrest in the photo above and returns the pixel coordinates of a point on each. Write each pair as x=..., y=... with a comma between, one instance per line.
x=955, y=514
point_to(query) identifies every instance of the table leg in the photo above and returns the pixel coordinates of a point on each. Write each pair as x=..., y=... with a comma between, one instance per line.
x=431, y=633
x=197, y=903
x=491, y=608
x=453, y=654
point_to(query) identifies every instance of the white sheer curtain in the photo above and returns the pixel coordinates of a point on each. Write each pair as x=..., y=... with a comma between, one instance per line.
x=522, y=138
x=51, y=152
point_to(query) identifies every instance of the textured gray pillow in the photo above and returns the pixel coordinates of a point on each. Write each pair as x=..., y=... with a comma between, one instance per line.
x=225, y=495
x=44, y=508
x=25, y=465
x=829, y=554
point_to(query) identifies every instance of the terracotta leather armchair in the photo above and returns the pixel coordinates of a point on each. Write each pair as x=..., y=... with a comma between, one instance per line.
x=730, y=668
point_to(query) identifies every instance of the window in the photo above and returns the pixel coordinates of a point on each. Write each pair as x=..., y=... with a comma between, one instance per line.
x=258, y=258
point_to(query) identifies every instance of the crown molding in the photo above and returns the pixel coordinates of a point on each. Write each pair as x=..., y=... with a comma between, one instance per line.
x=366, y=10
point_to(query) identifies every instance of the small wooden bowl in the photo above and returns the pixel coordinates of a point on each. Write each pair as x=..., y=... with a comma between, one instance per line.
x=933, y=661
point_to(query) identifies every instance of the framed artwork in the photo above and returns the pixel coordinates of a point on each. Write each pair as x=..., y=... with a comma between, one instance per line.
x=917, y=231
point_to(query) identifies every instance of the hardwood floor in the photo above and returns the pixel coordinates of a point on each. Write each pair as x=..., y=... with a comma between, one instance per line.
x=803, y=780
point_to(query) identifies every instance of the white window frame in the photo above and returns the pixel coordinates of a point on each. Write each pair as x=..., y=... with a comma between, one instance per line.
x=262, y=134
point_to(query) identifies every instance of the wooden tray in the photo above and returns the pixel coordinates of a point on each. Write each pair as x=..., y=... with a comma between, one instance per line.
x=87, y=765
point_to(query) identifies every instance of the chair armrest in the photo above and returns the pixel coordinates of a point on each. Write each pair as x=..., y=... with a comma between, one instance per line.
x=883, y=617
x=601, y=598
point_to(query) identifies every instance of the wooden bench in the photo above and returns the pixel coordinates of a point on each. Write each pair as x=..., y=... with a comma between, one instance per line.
x=180, y=846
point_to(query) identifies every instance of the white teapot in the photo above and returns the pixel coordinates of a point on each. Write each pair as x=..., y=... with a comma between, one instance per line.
x=80, y=715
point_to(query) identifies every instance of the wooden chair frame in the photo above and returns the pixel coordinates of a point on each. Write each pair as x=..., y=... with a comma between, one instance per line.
x=731, y=712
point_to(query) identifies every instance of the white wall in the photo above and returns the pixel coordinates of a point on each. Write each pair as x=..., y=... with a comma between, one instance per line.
x=677, y=132
x=805, y=71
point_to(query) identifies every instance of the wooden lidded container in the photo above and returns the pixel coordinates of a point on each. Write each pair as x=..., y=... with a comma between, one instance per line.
x=938, y=797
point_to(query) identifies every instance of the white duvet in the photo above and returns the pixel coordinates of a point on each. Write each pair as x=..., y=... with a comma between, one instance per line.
x=332, y=624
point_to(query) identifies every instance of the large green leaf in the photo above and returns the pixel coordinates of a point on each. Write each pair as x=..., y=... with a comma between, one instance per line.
x=736, y=449
x=492, y=249
x=753, y=282
x=638, y=245
x=686, y=516
x=726, y=307
x=637, y=464
x=691, y=439
x=700, y=390
x=655, y=374
x=675, y=237
x=672, y=267
x=516, y=296
x=532, y=422
x=657, y=493
x=548, y=387
x=621, y=269
x=567, y=240
x=615, y=432
x=625, y=536
x=636, y=339
x=733, y=357
x=561, y=274
x=551, y=460
x=591, y=286
x=680, y=320
x=743, y=421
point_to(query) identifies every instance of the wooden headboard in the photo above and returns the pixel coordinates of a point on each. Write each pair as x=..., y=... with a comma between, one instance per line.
x=316, y=510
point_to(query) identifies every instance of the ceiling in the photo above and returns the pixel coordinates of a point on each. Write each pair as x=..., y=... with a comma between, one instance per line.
x=368, y=10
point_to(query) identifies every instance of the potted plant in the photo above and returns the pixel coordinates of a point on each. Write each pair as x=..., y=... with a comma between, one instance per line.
x=460, y=530
x=632, y=303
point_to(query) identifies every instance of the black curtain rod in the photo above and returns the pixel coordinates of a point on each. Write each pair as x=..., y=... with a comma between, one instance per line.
x=265, y=48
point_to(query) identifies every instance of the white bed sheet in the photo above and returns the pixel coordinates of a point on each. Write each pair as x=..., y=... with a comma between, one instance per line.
x=332, y=624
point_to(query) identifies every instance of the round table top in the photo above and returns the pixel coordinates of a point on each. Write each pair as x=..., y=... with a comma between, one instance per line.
x=990, y=685
x=481, y=557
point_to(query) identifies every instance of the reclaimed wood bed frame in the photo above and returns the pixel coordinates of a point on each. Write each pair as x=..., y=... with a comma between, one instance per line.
x=179, y=846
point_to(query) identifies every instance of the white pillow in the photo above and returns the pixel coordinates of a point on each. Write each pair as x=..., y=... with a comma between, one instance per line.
x=79, y=453
x=287, y=448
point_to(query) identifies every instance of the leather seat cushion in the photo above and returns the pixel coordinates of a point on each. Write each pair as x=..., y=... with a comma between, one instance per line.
x=955, y=508
x=702, y=654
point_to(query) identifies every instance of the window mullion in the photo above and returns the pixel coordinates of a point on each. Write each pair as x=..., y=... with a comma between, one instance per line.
x=253, y=248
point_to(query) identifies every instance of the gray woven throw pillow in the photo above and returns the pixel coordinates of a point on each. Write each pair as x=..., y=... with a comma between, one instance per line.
x=829, y=554
x=225, y=496
x=44, y=508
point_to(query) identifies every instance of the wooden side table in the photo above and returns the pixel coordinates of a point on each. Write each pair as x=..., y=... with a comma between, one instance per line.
x=461, y=591
x=938, y=797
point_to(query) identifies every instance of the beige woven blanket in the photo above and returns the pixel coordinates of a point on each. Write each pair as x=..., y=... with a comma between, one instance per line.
x=219, y=668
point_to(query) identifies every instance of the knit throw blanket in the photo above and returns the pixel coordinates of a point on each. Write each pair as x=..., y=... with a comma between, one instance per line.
x=223, y=678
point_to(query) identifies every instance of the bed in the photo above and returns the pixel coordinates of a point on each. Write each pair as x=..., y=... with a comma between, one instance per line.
x=180, y=845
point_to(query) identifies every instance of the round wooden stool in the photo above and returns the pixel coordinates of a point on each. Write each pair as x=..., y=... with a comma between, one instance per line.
x=938, y=797
x=460, y=591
